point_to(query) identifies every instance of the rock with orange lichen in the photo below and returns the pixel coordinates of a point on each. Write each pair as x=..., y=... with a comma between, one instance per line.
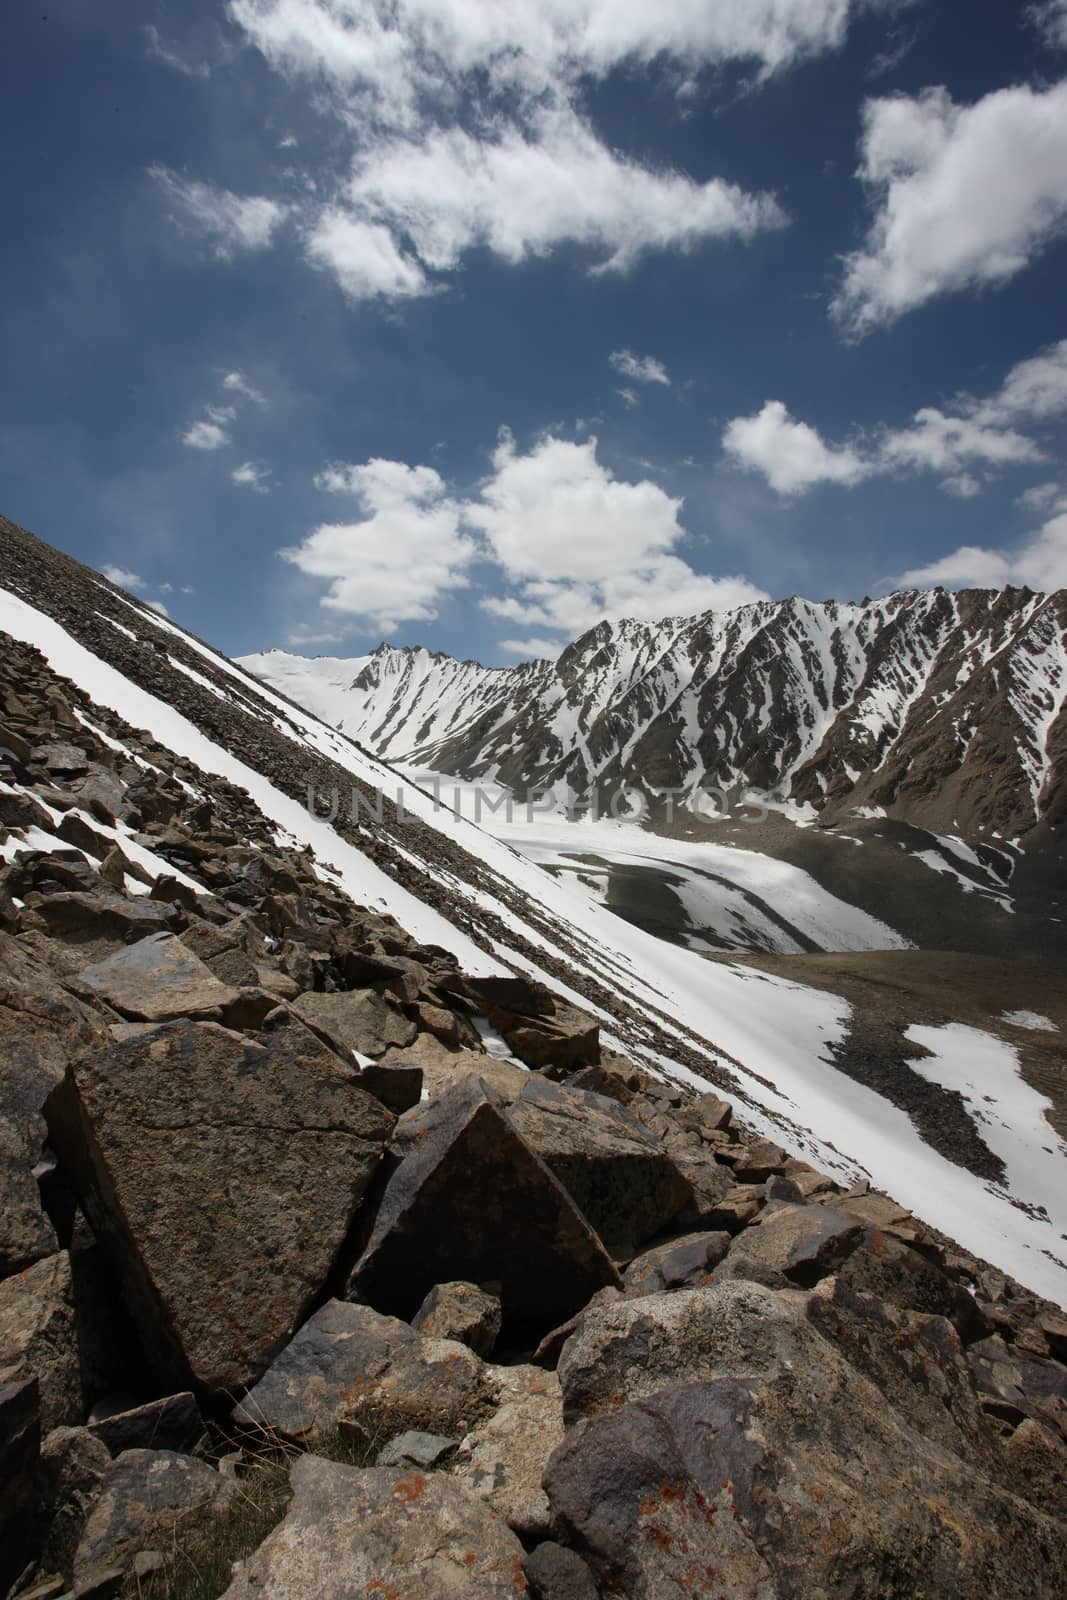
x=384, y=1535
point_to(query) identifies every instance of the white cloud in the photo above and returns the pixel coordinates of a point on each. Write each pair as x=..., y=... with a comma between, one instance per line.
x=1050, y=16
x=395, y=562
x=124, y=578
x=252, y=475
x=791, y=455
x=1041, y=497
x=1040, y=564
x=965, y=196
x=629, y=398
x=205, y=435
x=364, y=257
x=306, y=636
x=163, y=52
x=519, y=193
x=237, y=383
x=641, y=369
x=234, y=223
x=532, y=649
x=157, y=605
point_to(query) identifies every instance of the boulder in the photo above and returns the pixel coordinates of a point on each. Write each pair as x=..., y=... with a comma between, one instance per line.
x=347, y=1362
x=224, y=1176
x=71, y=1471
x=757, y=1162
x=556, y=1573
x=463, y=1312
x=681, y=1263
x=757, y=1461
x=503, y=1459
x=20, y=1445
x=470, y=1200
x=567, y=1037
x=155, y=980
x=802, y=1242
x=613, y=1168
x=61, y=760
x=893, y=1272
x=397, y=1084
x=1013, y=1387
x=173, y=1423
x=144, y=1497
x=82, y=917
x=38, y=1338
x=360, y=1020
x=444, y=1067
x=383, y=1533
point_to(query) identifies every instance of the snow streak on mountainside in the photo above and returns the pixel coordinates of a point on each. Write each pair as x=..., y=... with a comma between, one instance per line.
x=766, y=1042
x=947, y=710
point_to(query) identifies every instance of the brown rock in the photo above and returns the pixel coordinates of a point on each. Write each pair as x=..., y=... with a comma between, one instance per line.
x=463, y=1312
x=802, y=1242
x=38, y=1338
x=360, y=1020
x=156, y=980
x=20, y=1445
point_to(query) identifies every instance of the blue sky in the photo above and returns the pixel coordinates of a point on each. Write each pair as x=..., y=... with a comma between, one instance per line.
x=466, y=322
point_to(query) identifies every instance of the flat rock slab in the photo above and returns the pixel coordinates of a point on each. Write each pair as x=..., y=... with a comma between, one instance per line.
x=470, y=1200
x=382, y=1533
x=802, y=1242
x=224, y=1176
x=144, y=1497
x=614, y=1169
x=155, y=980
x=504, y=1458
x=347, y=1361
x=38, y=1338
x=359, y=1019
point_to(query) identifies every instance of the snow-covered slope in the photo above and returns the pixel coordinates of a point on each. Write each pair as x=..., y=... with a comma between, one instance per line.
x=766, y=1042
x=947, y=710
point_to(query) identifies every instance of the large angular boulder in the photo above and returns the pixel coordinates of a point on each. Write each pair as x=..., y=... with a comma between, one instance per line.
x=443, y=1067
x=756, y=1463
x=172, y=1423
x=613, y=1168
x=358, y=1019
x=20, y=1446
x=72, y=1468
x=680, y=1263
x=890, y=1270
x=348, y=1362
x=81, y=917
x=384, y=1533
x=155, y=980
x=503, y=1459
x=38, y=1338
x=144, y=1498
x=224, y=1176
x=802, y=1242
x=471, y=1200
x=463, y=1312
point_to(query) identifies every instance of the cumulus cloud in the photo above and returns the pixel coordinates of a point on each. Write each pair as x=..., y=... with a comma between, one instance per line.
x=124, y=577
x=237, y=383
x=364, y=257
x=641, y=369
x=794, y=457
x=405, y=549
x=252, y=475
x=791, y=455
x=205, y=435
x=157, y=605
x=234, y=223
x=1050, y=16
x=1041, y=563
x=964, y=196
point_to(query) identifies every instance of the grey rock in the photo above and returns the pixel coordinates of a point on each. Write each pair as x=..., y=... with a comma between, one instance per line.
x=683, y=1262
x=347, y=1361
x=463, y=1312
x=503, y=1458
x=173, y=1423
x=375, y=1532
x=145, y=1495
x=433, y=1224
x=556, y=1573
x=802, y=1242
x=893, y=1272
x=224, y=1176
x=415, y=1449
x=72, y=1468
x=156, y=980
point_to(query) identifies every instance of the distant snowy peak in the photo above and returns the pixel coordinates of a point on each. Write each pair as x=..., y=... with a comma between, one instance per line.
x=944, y=709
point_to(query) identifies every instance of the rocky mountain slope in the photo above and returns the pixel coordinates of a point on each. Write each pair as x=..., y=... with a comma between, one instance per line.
x=379, y=1216
x=945, y=710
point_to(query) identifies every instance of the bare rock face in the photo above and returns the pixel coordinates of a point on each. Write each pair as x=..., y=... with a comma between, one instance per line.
x=615, y=1170
x=688, y=1261
x=359, y=1019
x=802, y=1242
x=349, y=1362
x=144, y=1497
x=503, y=1459
x=463, y=1312
x=444, y=1067
x=470, y=1200
x=155, y=980
x=726, y=1447
x=381, y=1532
x=223, y=1175
x=38, y=1338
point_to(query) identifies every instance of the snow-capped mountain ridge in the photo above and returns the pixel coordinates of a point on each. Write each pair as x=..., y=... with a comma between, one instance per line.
x=945, y=709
